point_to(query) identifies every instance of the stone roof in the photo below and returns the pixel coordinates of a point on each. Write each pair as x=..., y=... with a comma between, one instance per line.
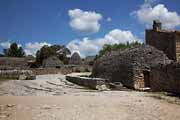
x=51, y=62
x=140, y=57
x=75, y=59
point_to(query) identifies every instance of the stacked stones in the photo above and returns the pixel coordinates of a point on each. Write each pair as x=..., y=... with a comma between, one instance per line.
x=142, y=57
x=17, y=75
x=127, y=66
x=166, y=78
x=52, y=62
x=75, y=59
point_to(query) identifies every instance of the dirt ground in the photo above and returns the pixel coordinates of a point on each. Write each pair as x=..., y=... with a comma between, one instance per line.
x=51, y=97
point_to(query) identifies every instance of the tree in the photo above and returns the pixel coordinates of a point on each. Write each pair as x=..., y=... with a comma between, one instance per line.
x=44, y=53
x=1, y=55
x=55, y=50
x=14, y=51
x=107, y=48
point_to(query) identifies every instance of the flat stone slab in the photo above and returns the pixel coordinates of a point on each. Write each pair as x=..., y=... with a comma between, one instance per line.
x=92, y=83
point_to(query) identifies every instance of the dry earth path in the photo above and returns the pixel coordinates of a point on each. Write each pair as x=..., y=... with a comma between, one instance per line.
x=51, y=97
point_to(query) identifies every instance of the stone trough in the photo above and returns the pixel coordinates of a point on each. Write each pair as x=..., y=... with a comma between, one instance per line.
x=92, y=83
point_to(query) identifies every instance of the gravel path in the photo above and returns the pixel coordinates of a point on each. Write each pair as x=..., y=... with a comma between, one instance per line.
x=72, y=102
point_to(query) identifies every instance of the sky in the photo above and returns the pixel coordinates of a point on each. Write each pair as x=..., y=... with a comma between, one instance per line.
x=83, y=26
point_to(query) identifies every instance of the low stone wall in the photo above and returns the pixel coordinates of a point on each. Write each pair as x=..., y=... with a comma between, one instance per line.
x=43, y=71
x=93, y=83
x=16, y=75
x=63, y=70
x=166, y=78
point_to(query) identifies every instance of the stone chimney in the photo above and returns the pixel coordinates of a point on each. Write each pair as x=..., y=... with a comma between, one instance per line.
x=156, y=25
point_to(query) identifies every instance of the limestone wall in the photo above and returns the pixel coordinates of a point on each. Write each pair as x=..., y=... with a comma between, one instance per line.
x=13, y=62
x=127, y=66
x=166, y=78
x=162, y=40
x=178, y=46
x=62, y=70
x=16, y=75
x=93, y=83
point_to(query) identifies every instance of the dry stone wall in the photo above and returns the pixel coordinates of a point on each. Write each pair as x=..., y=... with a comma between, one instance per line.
x=166, y=78
x=93, y=83
x=17, y=75
x=127, y=66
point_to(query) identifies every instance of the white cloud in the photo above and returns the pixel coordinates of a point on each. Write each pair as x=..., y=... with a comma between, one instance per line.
x=108, y=19
x=5, y=45
x=88, y=46
x=150, y=1
x=84, y=21
x=32, y=48
x=147, y=13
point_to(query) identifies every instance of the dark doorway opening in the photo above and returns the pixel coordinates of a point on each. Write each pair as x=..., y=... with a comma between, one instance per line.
x=146, y=78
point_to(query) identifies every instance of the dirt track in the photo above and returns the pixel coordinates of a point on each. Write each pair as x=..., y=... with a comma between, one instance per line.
x=58, y=100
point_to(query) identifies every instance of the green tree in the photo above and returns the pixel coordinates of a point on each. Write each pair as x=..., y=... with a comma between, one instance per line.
x=1, y=55
x=14, y=51
x=55, y=50
x=107, y=48
x=44, y=53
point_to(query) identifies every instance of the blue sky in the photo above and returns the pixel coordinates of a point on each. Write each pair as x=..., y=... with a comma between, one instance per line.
x=83, y=25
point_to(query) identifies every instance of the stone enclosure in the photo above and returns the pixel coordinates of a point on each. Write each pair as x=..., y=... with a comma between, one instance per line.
x=131, y=67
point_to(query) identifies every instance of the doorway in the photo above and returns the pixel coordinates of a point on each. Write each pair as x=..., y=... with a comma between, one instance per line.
x=146, y=79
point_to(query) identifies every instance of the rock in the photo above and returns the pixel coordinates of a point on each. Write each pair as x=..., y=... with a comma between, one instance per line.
x=102, y=87
x=10, y=105
x=46, y=107
x=22, y=77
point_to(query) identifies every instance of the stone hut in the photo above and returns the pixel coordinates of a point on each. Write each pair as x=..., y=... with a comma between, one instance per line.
x=165, y=40
x=89, y=60
x=131, y=67
x=75, y=59
x=52, y=62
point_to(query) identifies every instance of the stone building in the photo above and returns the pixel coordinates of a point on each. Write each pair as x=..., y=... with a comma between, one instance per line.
x=165, y=40
x=52, y=62
x=89, y=60
x=75, y=59
x=131, y=67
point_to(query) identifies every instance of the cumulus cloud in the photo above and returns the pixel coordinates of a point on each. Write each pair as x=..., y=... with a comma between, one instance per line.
x=84, y=21
x=88, y=46
x=147, y=13
x=5, y=45
x=32, y=48
x=150, y=1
